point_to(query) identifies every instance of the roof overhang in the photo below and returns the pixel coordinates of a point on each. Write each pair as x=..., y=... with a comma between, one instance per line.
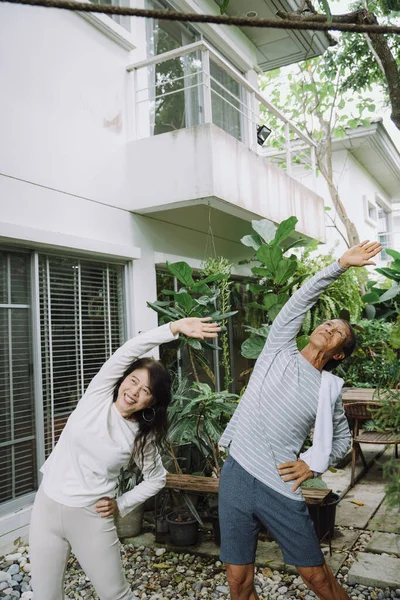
x=374, y=149
x=278, y=47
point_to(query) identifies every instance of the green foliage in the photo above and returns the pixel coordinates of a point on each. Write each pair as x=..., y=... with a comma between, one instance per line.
x=314, y=483
x=280, y=276
x=199, y=416
x=392, y=471
x=387, y=416
x=373, y=363
x=127, y=479
x=385, y=302
x=343, y=294
x=192, y=299
x=215, y=266
x=252, y=347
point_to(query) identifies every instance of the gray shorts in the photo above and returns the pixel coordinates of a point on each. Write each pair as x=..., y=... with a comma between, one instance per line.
x=245, y=503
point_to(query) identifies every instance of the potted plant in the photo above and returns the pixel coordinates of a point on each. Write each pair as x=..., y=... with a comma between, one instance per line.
x=183, y=528
x=323, y=515
x=132, y=523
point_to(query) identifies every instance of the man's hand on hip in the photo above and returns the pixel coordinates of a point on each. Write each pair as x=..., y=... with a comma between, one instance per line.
x=298, y=471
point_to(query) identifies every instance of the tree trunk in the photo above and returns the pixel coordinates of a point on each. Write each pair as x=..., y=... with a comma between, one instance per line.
x=326, y=168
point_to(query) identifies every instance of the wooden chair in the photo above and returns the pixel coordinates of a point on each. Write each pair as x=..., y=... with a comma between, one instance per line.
x=359, y=411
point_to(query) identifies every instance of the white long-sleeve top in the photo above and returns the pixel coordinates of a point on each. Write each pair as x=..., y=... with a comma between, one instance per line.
x=97, y=441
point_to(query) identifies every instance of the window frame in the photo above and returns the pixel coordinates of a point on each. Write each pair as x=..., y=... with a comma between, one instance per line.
x=18, y=503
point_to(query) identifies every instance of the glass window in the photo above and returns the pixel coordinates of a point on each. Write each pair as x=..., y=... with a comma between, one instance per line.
x=226, y=101
x=81, y=314
x=383, y=231
x=174, y=85
x=125, y=22
x=240, y=367
x=17, y=409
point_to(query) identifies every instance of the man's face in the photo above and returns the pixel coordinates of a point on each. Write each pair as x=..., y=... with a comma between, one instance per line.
x=330, y=337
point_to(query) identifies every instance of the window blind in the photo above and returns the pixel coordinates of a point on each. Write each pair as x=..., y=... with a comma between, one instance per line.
x=82, y=324
x=17, y=410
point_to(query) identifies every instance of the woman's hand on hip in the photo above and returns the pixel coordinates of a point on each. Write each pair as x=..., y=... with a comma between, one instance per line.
x=196, y=328
x=298, y=471
x=106, y=507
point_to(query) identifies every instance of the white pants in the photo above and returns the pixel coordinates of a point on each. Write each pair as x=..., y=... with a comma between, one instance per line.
x=55, y=529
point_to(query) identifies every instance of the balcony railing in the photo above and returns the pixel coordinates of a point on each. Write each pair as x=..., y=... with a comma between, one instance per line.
x=193, y=85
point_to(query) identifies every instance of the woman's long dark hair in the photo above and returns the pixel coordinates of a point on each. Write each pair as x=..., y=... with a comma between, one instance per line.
x=160, y=386
x=348, y=347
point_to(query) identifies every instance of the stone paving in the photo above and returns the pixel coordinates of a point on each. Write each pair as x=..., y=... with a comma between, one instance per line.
x=365, y=557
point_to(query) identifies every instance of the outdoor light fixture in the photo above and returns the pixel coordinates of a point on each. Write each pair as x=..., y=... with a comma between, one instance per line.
x=252, y=14
x=262, y=134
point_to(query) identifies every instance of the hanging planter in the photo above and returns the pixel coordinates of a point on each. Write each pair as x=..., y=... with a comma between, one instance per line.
x=183, y=528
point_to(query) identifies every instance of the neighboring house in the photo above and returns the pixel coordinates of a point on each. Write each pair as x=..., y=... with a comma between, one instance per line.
x=122, y=140
x=366, y=168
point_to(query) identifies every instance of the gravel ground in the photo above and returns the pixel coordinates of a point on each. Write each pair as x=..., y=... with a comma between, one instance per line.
x=156, y=574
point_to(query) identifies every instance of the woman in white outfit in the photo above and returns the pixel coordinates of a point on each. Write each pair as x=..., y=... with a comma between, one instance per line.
x=121, y=417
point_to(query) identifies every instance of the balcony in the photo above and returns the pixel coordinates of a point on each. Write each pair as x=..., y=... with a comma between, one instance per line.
x=195, y=122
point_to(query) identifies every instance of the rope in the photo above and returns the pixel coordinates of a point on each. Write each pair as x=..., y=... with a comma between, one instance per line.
x=217, y=19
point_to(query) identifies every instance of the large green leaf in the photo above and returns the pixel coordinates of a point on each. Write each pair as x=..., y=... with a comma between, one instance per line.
x=252, y=347
x=286, y=228
x=370, y=311
x=393, y=253
x=210, y=279
x=171, y=313
x=270, y=256
x=371, y=298
x=252, y=241
x=184, y=300
x=285, y=269
x=196, y=344
x=269, y=300
x=391, y=293
x=182, y=271
x=217, y=316
x=224, y=6
x=261, y=271
x=265, y=229
x=390, y=273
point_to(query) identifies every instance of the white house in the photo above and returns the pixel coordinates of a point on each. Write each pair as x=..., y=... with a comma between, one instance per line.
x=366, y=169
x=122, y=140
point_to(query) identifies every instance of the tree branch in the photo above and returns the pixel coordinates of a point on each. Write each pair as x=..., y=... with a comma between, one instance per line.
x=377, y=43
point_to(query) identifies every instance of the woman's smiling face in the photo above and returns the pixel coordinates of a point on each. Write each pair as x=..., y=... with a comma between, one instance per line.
x=134, y=393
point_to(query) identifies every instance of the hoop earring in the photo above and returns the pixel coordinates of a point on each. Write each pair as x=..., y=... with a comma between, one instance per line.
x=147, y=420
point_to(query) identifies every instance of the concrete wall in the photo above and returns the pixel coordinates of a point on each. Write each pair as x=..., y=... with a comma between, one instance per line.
x=204, y=162
x=356, y=187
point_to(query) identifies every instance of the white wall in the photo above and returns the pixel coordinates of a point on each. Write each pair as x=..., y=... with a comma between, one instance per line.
x=355, y=187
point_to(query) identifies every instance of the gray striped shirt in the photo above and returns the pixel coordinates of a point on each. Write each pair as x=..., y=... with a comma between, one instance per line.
x=279, y=406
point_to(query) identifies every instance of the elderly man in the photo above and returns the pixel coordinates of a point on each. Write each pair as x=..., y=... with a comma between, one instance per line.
x=289, y=392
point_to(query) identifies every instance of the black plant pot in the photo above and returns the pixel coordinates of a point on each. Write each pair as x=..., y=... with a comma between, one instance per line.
x=214, y=518
x=325, y=524
x=185, y=530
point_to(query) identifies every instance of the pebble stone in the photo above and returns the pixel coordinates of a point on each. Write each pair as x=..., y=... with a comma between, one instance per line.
x=157, y=574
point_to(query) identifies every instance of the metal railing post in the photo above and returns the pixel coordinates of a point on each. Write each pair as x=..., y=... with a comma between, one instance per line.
x=288, y=150
x=314, y=168
x=207, y=104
